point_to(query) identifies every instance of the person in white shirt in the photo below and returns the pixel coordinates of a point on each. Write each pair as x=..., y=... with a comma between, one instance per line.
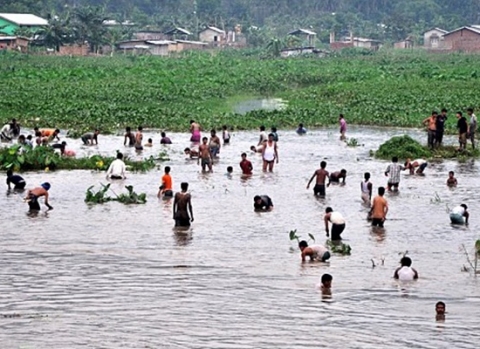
x=6, y=133
x=263, y=136
x=405, y=272
x=338, y=223
x=419, y=164
x=116, y=170
x=315, y=252
x=459, y=215
x=472, y=126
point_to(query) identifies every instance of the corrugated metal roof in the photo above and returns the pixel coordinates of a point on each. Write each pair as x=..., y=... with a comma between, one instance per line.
x=160, y=42
x=475, y=30
x=178, y=31
x=23, y=19
x=192, y=42
x=302, y=31
x=215, y=30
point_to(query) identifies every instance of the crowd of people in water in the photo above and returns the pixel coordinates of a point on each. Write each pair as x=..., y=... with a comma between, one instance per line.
x=206, y=150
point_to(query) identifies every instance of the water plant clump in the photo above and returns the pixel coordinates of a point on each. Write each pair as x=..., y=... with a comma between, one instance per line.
x=293, y=236
x=101, y=197
x=340, y=248
x=403, y=147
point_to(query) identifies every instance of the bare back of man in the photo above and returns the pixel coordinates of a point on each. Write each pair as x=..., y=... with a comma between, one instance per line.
x=182, y=203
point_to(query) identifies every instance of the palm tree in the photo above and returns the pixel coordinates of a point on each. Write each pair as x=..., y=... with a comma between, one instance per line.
x=89, y=26
x=275, y=46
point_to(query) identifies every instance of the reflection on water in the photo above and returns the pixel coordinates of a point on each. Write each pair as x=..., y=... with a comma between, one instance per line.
x=116, y=276
x=244, y=107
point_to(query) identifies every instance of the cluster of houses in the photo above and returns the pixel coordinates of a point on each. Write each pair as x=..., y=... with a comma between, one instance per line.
x=154, y=42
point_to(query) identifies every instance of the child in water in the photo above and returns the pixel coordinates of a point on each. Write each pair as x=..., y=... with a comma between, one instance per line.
x=326, y=284
x=149, y=143
x=451, y=181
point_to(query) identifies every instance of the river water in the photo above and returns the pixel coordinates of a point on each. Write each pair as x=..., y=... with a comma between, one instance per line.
x=115, y=276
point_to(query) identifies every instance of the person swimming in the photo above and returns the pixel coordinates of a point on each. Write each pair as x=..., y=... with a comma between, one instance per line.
x=451, y=181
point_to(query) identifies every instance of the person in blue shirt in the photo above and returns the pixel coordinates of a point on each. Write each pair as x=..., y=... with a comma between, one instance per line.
x=18, y=181
x=301, y=130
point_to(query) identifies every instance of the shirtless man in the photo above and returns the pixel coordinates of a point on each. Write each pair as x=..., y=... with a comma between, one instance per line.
x=195, y=131
x=335, y=177
x=129, y=137
x=193, y=153
x=214, y=144
x=315, y=252
x=205, y=155
x=379, y=210
x=321, y=175
x=182, y=205
x=418, y=164
x=34, y=194
x=139, y=138
x=258, y=149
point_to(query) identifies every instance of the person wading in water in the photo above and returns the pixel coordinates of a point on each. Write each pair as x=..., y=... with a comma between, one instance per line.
x=182, y=205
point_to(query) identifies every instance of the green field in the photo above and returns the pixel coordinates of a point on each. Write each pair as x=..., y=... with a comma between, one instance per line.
x=385, y=89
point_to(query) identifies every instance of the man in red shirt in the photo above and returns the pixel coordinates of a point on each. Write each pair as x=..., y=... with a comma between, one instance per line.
x=246, y=165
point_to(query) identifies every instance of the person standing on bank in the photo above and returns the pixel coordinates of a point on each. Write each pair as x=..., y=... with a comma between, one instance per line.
x=269, y=154
x=182, y=205
x=472, y=126
x=338, y=223
x=462, y=127
x=117, y=168
x=431, y=123
x=343, y=127
x=440, y=127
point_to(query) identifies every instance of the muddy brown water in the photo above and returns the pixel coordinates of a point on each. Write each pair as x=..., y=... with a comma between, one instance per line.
x=115, y=276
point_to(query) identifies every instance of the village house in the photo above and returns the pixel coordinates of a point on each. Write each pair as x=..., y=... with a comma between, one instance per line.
x=405, y=44
x=433, y=38
x=11, y=22
x=17, y=43
x=177, y=33
x=466, y=39
x=213, y=36
x=352, y=41
x=308, y=34
x=149, y=35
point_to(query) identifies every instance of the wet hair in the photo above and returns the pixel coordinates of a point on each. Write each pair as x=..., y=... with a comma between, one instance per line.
x=192, y=121
x=300, y=125
x=444, y=110
x=184, y=186
x=440, y=304
x=163, y=134
x=451, y=173
x=271, y=135
x=459, y=113
x=366, y=175
x=64, y=143
x=35, y=129
x=253, y=148
x=149, y=140
x=262, y=128
x=434, y=112
x=140, y=128
x=213, y=132
x=323, y=164
x=9, y=173
x=97, y=130
x=302, y=243
x=274, y=129
x=167, y=169
x=128, y=129
x=328, y=210
x=343, y=171
x=224, y=127
x=341, y=116
x=22, y=137
x=204, y=139
x=57, y=130
x=381, y=191
x=326, y=278
x=229, y=169
x=464, y=206
x=406, y=261
x=256, y=198
x=119, y=156
x=470, y=110
x=38, y=134
x=244, y=154
x=29, y=137
x=395, y=159
x=186, y=149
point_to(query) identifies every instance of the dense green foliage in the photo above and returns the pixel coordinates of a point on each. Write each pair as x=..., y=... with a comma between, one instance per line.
x=385, y=89
x=383, y=19
x=101, y=196
x=45, y=158
x=405, y=147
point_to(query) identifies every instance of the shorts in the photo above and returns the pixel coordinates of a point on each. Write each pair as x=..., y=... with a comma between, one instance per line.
x=138, y=147
x=319, y=189
x=205, y=162
x=456, y=218
x=423, y=166
x=214, y=151
x=182, y=222
x=377, y=222
x=366, y=198
x=33, y=203
x=226, y=141
x=116, y=177
x=20, y=186
x=462, y=138
x=85, y=140
x=326, y=256
x=395, y=185
x=168, y=193
x=337, y=230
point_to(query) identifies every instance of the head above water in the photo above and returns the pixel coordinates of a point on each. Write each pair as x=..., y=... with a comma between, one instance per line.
x=327, y=280
x=444, y=111
x=341, y=116
x=459, y=114
x=57, y=131
x=163, y=134
x=167, y=169
x=45, y=186
x=323, y=164
x=300, y=125
x=328, y=210
x=184, y=186
x=366, y=175
x=440, y=308
x=381, y=191
x=128, y=129
x=140, y=128
x=186, y=150
x=9, y=173
x=262, y=128
x=434, y=113
x=204, y=140
x=406, y=262
x=271, y=136
x=213, y=133
x=451, y=173
x=119, y=156
x=395, y=159
x=244, y=155
x=252, y=148
x=302, y=244
x=229, y=169
x=150, y=140
x=274, y=129
x=257, y=199
x=224, y=127
x=343, y=171
x=464, y=206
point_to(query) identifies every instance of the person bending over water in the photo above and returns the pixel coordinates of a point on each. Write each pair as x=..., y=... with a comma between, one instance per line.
x=459, y=215
x=418, y=164
x=338, y=223
x=262, y=203
x=192, y=153
x=90, y=138
x=182, y=205
x=451, y=181
x=405, y=272
x=366, y=188
x=258, y=149
x=205, y=155
x=335, y=177
x=379, y=210
x=269, y=154
x=195, y=131
x=18, y=181
x=315, y=252
x=166, y=188
x=34, y=194
x=321, y=175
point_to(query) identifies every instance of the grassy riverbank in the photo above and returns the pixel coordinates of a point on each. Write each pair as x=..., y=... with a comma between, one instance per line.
x=386, y=89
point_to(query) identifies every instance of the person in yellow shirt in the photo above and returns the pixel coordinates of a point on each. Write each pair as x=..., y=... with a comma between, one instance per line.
x=165, y=189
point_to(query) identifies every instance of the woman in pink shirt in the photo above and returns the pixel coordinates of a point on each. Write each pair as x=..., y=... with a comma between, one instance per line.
x=343, y=127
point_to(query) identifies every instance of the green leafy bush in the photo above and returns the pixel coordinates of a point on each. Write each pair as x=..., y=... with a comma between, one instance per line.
x=403, y=147
x=100, y=197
